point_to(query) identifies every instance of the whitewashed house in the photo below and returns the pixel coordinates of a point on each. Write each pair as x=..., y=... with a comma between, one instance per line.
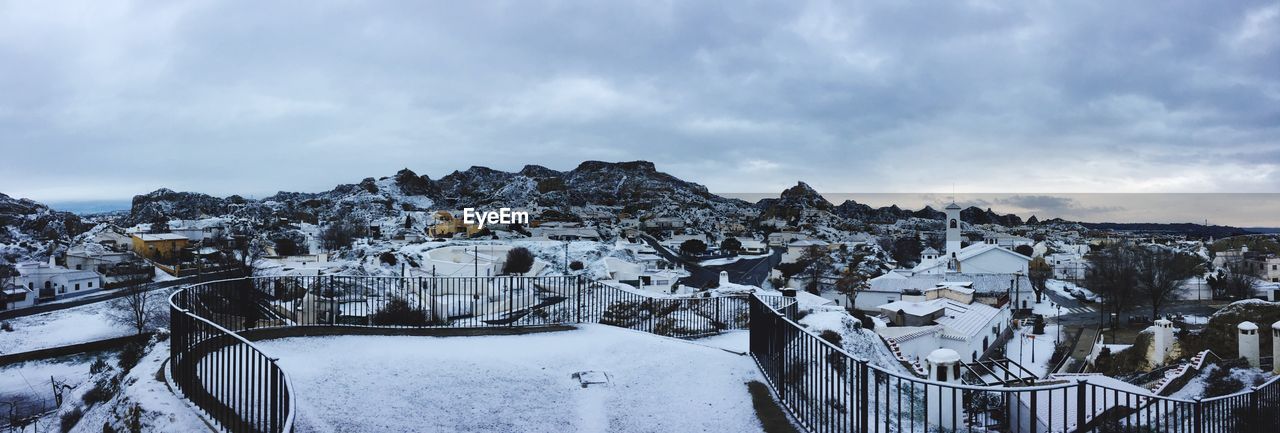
x=943, y=317
x=893, y=286
x=52, y=282
x=977, y=258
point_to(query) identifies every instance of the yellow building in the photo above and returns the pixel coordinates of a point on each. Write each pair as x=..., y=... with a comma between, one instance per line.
x=158, y=245
x=448, y=225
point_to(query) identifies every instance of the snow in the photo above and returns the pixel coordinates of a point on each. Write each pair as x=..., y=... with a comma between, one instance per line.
x=1068, y=289
x=517, y=383
x=733, y=341
x=1024, y=347
x=81, y=324
x=160, y=409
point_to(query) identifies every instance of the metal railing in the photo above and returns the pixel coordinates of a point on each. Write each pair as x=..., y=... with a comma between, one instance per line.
x=244, y=390
x=828, y=390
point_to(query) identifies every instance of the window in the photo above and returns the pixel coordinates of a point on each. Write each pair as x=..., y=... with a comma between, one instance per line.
x=91, y=284
x=953, y=223
x=942, y=373
x=77, y=286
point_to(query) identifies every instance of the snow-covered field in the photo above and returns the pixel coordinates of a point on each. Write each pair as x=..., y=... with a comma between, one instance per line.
x=80, y=324
x=520, y=383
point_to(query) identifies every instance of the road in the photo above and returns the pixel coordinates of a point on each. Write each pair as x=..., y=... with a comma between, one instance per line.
x=108, y=295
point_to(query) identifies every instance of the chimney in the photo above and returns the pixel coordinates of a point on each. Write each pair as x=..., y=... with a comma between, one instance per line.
x=1249, y=342
x=1275, y=348
x=943, y=408
x=1163, y=342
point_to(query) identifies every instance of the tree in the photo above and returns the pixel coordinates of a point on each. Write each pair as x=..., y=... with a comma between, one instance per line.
x=136, y=308
x=817, y=263
x=1025, y=250
x=160, y=224
x=1232, y=282
x=693, y=247
x=286, y=247
x=731, y=245
x=1112, y=276
x=1159, y=273
x=906, y=249
x=519, y=261
x=1039, y=271
x=850, y=284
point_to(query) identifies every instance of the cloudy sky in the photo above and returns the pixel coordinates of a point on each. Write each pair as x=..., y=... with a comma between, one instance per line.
x=104, y=100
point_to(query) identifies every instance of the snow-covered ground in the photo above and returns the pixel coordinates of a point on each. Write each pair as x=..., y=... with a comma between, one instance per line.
x=517, y=383
x=80, y=324
x=27, y=383
x=1024, y=347
x=1068, y=289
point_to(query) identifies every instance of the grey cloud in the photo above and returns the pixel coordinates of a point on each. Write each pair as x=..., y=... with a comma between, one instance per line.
x=1018, y=97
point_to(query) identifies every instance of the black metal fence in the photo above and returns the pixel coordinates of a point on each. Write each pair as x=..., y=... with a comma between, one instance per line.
x=244, y=390
x=828, y=390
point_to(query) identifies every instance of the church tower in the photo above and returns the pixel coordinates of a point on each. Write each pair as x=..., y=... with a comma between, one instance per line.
x=953, y=230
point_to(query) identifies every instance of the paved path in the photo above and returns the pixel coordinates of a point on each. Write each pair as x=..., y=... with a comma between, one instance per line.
x=751, y=272
x=107, y=295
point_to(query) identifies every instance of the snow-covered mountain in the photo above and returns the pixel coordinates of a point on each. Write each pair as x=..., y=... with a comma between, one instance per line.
x=31, y=231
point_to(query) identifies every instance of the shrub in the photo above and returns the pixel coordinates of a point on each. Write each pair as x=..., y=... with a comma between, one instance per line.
x=387, y=258
x=1037, y=327
x=576, y=265
x=102, y=391
x=693, y=246
x=70, y=418
x=6, y=327
x=99, y=365
x=519, y=261
x=832, y=337
x=130, y=355
x=399, y=313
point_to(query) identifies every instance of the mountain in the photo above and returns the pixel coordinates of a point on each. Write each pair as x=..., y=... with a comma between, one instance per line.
x=635, y=187
x=31, y=231
x=1189, y=229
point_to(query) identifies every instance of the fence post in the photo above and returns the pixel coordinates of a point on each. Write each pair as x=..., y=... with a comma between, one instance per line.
x=577, y=284
x=1199, y=416
x=864, y=397
x=1080, y=404
x=1255, y=413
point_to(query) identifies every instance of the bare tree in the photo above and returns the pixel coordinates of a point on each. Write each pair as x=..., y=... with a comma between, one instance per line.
x=1039, y=272
x=1160, y=274
x=1112, y=276
x=136, y=308
x=817, y=262
x=850, y=284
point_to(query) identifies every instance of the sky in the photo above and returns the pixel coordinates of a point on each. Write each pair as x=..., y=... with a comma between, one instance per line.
x=100, y=101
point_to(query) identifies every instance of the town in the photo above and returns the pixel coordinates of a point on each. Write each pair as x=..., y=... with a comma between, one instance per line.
x=958, y=295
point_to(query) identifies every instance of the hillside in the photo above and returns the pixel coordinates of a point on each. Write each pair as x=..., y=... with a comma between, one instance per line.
x=31, y=231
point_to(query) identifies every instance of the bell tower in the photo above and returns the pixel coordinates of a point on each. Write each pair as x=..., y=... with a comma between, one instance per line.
x=953, y=230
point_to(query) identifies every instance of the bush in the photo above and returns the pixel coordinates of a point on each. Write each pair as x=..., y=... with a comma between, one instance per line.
x=130, y=355
x=519, y=261
x=99, y=365
x=399, y=313
x=1037, y=327
x=387, y=258
x=102, y=390
x=832, y=337
x=6, y=327
x=576, y=265
x=70, y=419
x=693, y=247
x=867, y=323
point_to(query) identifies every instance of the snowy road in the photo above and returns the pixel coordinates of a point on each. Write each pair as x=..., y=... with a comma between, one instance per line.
x=519, y=383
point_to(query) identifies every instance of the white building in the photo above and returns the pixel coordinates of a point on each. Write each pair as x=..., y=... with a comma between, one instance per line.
x=1067, y=266
x=782, y=239
x=976, y=258
x=53, y=282
x=753, y=247
x=892, y=287
x=641, y=276
x=944, y=317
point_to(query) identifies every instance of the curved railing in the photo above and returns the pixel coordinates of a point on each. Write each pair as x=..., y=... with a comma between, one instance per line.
x=226, y=376
x=244, y=390
x=826, y=389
